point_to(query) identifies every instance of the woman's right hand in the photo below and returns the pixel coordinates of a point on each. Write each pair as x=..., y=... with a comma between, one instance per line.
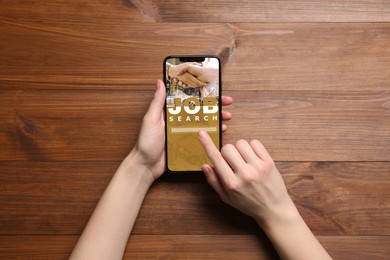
x=245, y=177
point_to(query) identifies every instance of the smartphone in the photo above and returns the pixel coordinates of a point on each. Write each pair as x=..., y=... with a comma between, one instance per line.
x=193, y=103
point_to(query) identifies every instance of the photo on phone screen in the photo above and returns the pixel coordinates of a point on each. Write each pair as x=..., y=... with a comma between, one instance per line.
x=192, y=104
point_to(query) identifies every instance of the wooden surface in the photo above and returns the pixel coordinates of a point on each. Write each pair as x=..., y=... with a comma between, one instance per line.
x=311, y=79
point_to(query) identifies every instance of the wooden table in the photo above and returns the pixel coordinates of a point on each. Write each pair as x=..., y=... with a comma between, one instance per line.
x=310, y=79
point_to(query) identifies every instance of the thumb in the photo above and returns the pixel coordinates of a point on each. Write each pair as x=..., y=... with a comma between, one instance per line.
x=157, y=104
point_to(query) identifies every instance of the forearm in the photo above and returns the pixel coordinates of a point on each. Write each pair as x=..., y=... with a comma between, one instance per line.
x=107, y=232
x=293, y=239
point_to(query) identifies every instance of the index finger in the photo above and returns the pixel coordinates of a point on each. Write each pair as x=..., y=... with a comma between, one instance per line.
x=220, y=165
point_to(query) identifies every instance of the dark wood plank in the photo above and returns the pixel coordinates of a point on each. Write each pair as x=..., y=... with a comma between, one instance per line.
x=58, y=197
x=192, y=247
x=324, y=57
x=337, y=57
x=314, y=125
x=249, y=247
x=65, y=124
x=36, y=247
x=78, y=11
x=109, y=11
x=269, y=11
x=121, y=54
x=61, y=124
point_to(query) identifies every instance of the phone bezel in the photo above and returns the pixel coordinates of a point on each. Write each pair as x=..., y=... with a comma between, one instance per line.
x=191, y=58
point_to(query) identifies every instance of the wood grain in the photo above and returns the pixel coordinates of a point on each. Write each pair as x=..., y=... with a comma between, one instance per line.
x=58, y=197
x=65, y=124
x=310, y=79
x=63, y=12
x=323, y=57
x=219, y=11
x=315, y=125
x=192, y=247
x=271, y=11
x=253, y=247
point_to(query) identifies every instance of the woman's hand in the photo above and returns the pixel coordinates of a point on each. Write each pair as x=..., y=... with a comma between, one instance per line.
x=150, y=147
x=107, y=231
x=245, y=177
x=151, y=140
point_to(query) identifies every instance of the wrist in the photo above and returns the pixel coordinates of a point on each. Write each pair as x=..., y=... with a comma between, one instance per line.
x=281, y=216
x=292, y=238
x=135, y=166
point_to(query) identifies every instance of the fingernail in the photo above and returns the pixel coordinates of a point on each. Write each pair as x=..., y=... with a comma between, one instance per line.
x=202, y=134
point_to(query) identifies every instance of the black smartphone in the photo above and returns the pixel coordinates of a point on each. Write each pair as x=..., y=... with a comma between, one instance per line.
x=193, y=103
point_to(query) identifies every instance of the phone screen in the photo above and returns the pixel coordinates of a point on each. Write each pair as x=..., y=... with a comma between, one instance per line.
x=193, y=86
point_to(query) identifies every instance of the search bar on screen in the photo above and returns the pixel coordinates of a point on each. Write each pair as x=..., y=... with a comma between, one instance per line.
x=192, y=129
